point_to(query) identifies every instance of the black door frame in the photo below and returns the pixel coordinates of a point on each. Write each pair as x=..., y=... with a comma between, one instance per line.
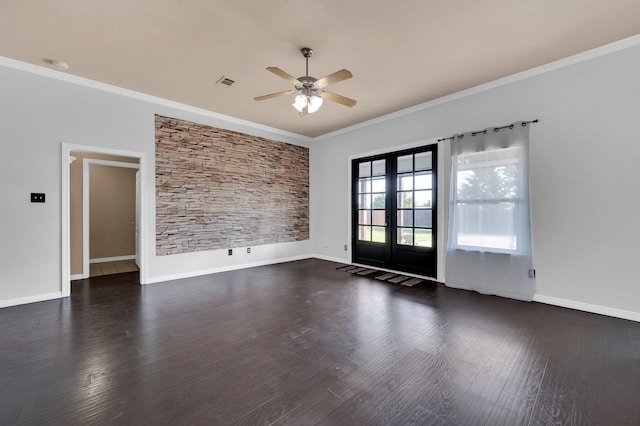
x=387, y=253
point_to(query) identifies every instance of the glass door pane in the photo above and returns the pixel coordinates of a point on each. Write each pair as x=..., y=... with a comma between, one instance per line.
x=414, y=196
x=372, y=193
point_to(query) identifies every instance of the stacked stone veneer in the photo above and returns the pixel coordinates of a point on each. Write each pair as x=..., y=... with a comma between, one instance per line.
x=221, y=189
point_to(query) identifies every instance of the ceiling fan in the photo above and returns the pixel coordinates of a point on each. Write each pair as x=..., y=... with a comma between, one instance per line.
x=310, y=91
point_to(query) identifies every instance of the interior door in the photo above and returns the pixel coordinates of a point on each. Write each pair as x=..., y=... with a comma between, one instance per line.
x=394, y=211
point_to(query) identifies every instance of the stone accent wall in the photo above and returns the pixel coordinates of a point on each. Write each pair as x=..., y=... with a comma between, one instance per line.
x=220, y=189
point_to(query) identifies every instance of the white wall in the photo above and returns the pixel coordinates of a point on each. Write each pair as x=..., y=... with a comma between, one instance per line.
x=40, y=110
x=584, y=163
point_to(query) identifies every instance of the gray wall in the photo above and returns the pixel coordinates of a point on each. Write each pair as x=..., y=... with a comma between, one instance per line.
x=40, y=110
x=583, y=164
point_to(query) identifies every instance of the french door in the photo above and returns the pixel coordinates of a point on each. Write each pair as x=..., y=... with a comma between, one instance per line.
x=394, y=210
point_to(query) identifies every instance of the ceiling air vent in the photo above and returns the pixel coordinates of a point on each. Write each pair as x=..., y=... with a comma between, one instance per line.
x=226, y=81
x=57, y=64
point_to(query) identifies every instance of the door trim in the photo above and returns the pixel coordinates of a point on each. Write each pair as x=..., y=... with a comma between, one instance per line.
x=66, y=148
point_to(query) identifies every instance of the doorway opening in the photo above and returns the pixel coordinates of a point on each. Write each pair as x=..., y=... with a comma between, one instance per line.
x=109, y=215
x=102, y=213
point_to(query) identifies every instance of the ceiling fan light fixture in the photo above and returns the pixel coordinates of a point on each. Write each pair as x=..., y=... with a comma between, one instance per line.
x=315, y=102
x=300, y=102
x=308, y=91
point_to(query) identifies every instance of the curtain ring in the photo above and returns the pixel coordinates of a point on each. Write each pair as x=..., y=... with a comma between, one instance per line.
x=511, y=127
x=495, y=129
x=524, y=124
x=473, y=134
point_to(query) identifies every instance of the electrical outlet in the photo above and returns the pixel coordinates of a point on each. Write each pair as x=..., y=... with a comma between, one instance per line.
x=37, y=197
x=532, y=273
x=248, y=249
x=230, y=252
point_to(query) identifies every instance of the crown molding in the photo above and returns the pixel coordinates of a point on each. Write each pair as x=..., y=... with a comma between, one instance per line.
x=104, y=87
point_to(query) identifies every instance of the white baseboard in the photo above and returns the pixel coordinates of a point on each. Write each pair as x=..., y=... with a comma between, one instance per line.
x=331, y=259
x=190, y=274
x=76, y=277
x=112, y=259
x=29, y=299
x=588, y=307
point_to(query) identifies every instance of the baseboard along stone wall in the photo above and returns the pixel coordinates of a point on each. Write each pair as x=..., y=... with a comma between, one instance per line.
x=217, y=189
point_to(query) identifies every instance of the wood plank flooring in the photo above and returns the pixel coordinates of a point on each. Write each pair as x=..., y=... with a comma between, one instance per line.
x=302, y=343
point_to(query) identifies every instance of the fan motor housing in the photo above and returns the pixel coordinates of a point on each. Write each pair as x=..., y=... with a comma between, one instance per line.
x=306, y=81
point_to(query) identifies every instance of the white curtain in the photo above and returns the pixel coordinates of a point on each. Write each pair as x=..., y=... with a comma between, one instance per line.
x=489, y=240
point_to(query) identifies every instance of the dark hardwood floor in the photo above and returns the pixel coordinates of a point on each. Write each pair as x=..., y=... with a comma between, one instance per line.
x=302, y=343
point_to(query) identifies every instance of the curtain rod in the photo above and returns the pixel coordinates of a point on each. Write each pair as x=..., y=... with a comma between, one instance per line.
x=495, y=129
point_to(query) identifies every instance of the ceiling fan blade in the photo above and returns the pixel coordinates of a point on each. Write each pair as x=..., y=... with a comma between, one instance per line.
x=273, y=95
x=338, y=98
x=277, y=71
x=334, y=78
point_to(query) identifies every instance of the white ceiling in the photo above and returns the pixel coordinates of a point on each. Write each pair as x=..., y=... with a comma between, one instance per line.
x=401, y=52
